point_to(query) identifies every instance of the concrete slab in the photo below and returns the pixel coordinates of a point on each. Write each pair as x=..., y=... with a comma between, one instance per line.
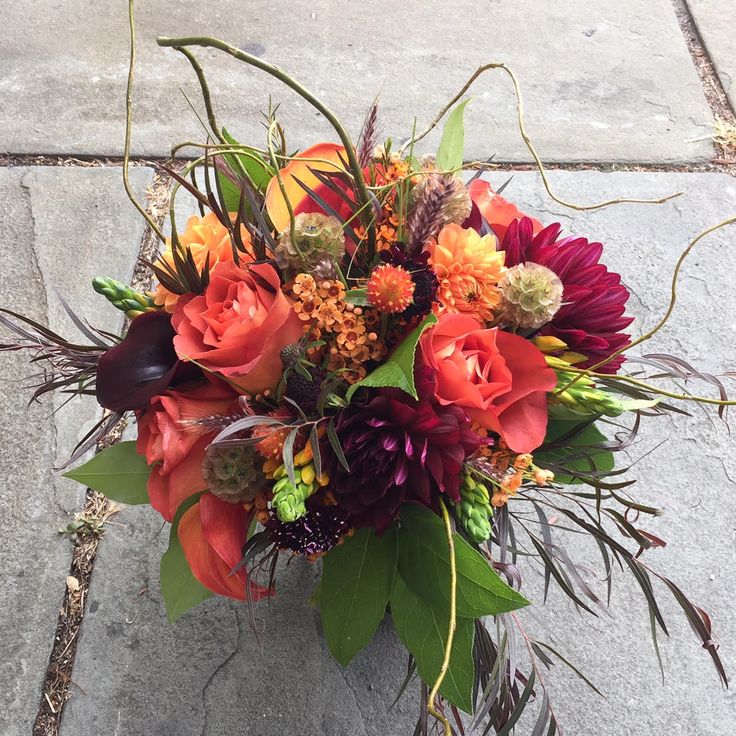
x=602, y=81
x=716, y=20
x=209, y=674
x=61, y=227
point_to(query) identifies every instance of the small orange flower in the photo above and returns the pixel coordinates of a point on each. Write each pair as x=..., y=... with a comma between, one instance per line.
x=390, y=288
x=468, y=267
x=203, y=236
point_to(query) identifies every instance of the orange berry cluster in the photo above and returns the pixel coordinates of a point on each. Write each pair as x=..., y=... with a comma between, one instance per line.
x=348, y=330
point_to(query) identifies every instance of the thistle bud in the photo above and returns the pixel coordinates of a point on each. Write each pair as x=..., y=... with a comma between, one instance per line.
x=316, y=237
x=232, y=474
x=531, y=294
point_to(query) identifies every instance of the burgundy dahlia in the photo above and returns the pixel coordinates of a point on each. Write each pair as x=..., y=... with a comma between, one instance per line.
x=398, y=449
x=591, y=317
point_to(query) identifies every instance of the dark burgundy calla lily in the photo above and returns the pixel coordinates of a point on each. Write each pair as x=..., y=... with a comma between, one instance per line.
x=142, y=366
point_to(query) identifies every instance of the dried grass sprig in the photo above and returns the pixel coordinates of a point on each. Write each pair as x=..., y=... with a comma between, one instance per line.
x=426, y=217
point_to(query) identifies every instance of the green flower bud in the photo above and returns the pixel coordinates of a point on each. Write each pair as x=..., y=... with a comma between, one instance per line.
x=474, y=511
x=531, y=294
x=123, y=297
x=316, y=237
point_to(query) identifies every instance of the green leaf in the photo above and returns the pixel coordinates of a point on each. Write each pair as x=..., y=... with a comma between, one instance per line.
x=578, y=453
x=179, y=588
x=423, y=630
x=258, y=171
x=452, y=145
x=357, y=577
x=398, y=370
x=424, y=564
x=118, y=472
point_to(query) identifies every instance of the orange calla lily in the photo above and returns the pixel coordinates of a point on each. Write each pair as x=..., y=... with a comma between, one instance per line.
x=498, y=212
x=329, y=155
x=212, y=534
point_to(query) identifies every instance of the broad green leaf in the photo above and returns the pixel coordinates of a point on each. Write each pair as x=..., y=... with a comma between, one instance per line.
x=179, y=588
x=423, y=630
x=398, y=370
x=357, y=577
x=259, y=172
x=452, y=144
x=118, y=472
x=424, y=564
x=579, y=452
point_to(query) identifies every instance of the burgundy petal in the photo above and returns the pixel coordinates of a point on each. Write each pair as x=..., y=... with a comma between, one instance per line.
x=142, y=366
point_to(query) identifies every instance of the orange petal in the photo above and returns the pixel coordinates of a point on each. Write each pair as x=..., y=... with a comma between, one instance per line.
x=299, y=168
x=498, y=212
x=212, y=534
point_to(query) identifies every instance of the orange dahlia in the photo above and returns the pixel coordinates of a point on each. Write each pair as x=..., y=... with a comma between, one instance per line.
x=203, y=235
x=468, y=267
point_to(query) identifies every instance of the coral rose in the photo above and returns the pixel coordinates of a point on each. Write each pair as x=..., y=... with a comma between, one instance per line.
x=204, y=236
x=497, y=212
x=238, y=326
x=174, y=450
x=498, y=378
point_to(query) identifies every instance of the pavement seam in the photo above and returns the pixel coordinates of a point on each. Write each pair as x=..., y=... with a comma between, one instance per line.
x=713, y=89
x=58, y=676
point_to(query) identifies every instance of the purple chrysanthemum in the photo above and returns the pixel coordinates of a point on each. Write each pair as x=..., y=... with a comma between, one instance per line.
x=591, y=317
x=398, y=449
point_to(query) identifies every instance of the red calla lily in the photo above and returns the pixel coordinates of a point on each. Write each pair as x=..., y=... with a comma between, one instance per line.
x=212, y=534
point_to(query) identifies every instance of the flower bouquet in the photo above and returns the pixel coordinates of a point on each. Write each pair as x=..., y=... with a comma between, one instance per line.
x=370, y=359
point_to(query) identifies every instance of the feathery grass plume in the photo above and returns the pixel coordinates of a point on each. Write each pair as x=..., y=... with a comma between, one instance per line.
x=368, y=136
x=428, y=212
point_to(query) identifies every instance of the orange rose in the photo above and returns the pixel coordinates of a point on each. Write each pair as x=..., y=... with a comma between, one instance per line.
x=238, y=326
x=174, y=450
x=498, y=378
x=204, y=236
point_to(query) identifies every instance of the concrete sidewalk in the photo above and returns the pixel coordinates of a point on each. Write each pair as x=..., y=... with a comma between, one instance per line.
x=610, y=85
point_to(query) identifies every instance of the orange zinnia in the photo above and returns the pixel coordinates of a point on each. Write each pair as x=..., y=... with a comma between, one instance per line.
x=203, y=235
x=468, y=267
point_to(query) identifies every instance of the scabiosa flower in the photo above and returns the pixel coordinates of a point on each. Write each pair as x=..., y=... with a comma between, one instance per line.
x=424, y=278
x=531, y=295
x=390, y=288
x=315, y=533
x=591, y=317
x=398, y=449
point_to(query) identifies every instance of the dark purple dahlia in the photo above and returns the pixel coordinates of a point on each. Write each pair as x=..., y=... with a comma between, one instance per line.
x=318, y=531
x=398, y=450
x=591, y=317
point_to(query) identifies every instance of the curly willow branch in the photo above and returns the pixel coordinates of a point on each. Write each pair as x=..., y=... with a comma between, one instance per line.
x=128, y=126
x=274, y=71
x=431, y=707
x=662, y=322
x=527, y=141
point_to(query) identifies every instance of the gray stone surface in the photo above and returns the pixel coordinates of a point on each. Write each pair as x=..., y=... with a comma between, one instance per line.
x=602, y=81
x=716, y=20
x=208, y=673
x=61, y=226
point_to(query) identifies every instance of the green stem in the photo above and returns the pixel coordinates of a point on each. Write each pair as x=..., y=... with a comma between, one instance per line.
x=451, y=628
